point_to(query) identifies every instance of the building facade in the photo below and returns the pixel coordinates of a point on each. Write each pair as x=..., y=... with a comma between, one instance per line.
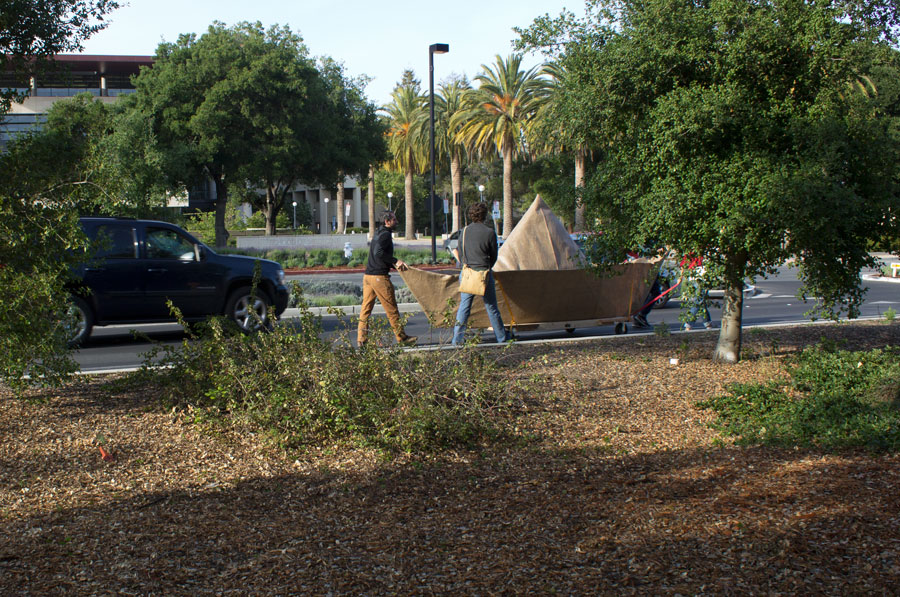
x=106, y=77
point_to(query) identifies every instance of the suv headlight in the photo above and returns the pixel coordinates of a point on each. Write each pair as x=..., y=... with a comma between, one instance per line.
x=279, y=275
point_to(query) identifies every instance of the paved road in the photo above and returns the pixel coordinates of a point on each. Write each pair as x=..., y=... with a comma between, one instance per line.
x=774, y=302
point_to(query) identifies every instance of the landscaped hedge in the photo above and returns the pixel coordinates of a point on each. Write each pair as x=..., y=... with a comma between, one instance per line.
x=309, y=258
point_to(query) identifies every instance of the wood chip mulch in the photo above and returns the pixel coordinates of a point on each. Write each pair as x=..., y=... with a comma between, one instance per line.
x=617, y=485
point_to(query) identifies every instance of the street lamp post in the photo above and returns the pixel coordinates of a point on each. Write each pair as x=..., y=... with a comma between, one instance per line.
x=481, y=190
x=390, y=197
x=432, y=50
x=295, y=214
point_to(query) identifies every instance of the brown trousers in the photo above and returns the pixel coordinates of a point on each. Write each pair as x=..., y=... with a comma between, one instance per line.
x=379, y=287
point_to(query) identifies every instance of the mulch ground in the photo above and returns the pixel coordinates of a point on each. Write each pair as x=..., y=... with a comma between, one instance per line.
x=617, y=486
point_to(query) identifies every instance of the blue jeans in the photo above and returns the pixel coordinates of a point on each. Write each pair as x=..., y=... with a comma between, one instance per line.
x=490, y=305
x=699, y=306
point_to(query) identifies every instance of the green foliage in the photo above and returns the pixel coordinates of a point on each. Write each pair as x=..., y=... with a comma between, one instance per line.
x=42, y=191
x=304, y=391
x=248, y=104
x=834, y=399
x=721, y=138
x=890, y=314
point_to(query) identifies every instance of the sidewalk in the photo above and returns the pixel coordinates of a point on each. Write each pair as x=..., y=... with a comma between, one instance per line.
x=361, y=269
x=351, y=310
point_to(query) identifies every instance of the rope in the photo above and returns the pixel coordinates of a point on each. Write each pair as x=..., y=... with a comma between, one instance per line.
x=653, y=300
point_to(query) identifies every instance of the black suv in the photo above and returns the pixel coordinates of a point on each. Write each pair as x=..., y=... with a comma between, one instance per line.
x=140, y=264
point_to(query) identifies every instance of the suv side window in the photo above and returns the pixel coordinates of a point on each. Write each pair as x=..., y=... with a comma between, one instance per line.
x=163, y=243
x=115, y=242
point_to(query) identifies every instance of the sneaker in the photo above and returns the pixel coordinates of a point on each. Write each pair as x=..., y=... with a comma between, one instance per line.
x=408, y=341
x=640, y=321
x=687, y=327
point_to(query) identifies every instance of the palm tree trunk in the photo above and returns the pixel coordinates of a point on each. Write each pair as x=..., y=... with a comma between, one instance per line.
x=456, y=186
x=579, y=190
x=371, y=202
x=507, y=192
x=408, y=194
x=341, y=217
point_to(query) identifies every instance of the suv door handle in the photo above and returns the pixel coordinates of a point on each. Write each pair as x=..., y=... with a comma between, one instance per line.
x=157, y=270
x=95, y=269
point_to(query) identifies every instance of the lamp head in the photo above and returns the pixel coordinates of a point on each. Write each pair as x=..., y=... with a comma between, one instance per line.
x=439, y=48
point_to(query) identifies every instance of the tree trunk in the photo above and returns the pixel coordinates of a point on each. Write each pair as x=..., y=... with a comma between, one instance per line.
x=371, y=202
x=580, y=158
x=341, y=216
x=507, y=193
x=728, y=348
x=456, y=186
x=271, y=212
x=221, y=207
x=408, y=193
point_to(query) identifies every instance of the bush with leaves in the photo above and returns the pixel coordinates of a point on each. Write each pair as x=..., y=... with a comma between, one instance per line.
x=303, y=390
x=833, y=399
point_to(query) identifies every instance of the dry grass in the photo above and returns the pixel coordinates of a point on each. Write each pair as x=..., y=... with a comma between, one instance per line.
x=617, y=486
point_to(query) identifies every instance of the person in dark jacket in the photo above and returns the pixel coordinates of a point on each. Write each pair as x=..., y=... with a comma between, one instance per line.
x=478, y=250
x=377, y=283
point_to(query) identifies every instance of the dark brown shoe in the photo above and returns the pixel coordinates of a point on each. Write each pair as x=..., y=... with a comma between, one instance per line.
x=408, y=341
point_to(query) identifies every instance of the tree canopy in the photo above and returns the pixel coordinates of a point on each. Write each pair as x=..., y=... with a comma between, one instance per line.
x=743, y=132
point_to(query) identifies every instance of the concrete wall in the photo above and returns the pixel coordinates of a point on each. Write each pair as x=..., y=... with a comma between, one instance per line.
x=304, y=241
x=326, y=241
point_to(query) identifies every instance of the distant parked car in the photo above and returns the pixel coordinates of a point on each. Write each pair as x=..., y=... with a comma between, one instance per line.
x=141, y=264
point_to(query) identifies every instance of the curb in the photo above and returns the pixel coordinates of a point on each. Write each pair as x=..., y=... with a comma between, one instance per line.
x=877, y=278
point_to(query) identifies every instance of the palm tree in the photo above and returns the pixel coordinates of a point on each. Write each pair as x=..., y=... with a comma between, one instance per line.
x=560, y=136
x=405, y=140
x=505, y=105
x=450, y=106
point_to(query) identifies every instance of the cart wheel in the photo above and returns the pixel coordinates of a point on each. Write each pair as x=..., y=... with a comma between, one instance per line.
x=621, y=328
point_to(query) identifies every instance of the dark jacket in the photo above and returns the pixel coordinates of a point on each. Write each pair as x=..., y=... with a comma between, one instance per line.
x=478, y=246
x=381, y=253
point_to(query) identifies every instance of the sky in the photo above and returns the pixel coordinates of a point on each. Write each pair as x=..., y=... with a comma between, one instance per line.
x=378, y=39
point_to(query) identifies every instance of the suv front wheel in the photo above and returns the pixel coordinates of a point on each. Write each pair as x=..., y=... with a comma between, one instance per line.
x=249, y=311
x=79, y=321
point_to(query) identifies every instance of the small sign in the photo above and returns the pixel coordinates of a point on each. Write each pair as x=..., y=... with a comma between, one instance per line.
x=446, y=207
x=895, y=267
x=496, y=212
x=347, y=210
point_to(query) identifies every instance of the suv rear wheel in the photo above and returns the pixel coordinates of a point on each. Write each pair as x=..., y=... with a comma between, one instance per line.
x=79, y=321
x=250, y=312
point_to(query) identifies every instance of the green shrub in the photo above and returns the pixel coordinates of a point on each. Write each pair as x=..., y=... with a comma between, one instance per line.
x=332, y=287
x=335, y=300
x=302, y=258
x=832, y=399
x=303, y=390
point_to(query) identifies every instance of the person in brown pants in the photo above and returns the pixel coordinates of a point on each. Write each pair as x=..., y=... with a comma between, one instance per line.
x=377, y=283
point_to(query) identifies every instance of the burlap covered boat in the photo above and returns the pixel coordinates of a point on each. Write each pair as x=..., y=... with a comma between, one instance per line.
x=541, y=281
